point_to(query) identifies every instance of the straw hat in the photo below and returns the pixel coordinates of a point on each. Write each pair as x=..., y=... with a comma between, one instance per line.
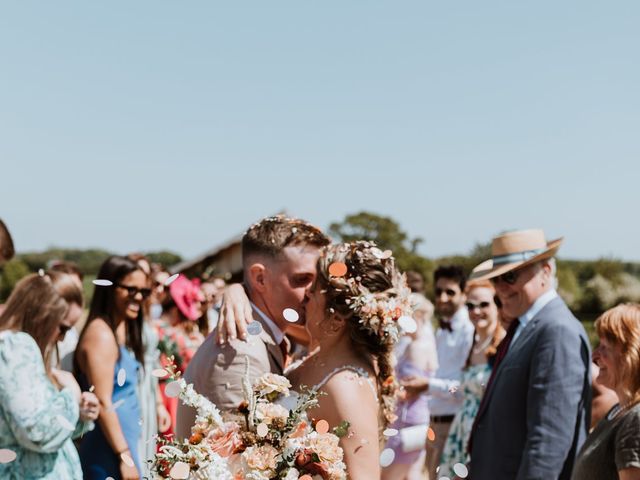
x=515, y=249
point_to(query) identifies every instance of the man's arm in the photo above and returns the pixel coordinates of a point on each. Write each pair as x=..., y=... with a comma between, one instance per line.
x=556, y=386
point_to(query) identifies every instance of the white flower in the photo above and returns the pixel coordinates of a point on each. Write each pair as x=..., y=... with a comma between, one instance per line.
x=270, y=382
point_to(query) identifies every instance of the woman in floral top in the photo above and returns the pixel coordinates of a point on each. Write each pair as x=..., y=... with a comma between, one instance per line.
x=41, y=409
x=484, y=314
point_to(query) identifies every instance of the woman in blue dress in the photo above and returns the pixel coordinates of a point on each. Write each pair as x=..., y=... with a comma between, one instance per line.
x=41, y=408
x=109, y=356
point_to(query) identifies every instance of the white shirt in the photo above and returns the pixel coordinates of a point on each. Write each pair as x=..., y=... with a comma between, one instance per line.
x=534, y=309
x=453, y=350
x=278, y=335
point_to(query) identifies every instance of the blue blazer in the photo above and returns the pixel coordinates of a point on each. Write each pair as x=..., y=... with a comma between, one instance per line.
x=538, y=408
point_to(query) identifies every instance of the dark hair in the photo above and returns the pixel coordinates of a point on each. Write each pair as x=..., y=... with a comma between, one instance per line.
x=114, y=269
x=415, y=280
x=271, y=235
x=379, y=277
x=6, y=244
x=451, y=272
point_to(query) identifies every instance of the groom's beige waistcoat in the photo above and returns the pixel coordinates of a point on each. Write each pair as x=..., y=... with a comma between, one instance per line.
x=216, y=371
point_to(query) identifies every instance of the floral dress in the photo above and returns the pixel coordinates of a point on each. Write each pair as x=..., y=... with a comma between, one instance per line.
x=474, y=380
x=37, y=421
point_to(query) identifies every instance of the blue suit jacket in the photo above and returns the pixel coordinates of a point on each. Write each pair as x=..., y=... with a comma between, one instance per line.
x=538, y=408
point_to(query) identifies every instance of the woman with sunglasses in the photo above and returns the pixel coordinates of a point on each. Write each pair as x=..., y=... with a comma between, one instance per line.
x=109, y=356
x=41, y=408
x=485, y=315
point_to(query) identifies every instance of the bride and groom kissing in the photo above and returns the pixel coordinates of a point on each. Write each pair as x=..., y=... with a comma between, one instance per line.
x=349, y=297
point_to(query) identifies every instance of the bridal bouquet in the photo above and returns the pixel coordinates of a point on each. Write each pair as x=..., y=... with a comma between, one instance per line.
x=268, y=437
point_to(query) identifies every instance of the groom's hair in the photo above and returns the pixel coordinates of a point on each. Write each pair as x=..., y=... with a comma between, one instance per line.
x=271, y=235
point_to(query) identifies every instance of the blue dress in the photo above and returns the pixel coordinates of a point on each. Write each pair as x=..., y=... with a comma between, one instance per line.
x=98, y=460
x=37, y=422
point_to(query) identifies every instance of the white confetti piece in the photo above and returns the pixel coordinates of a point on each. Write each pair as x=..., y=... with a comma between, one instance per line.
x=444, y=478
x=390, y=432
x=461, y=470
x=159, y=373
x=254, y=328
x=99, y=282
x=121, y=377
x=407, y=324
x=290, y=315
x=179, y=471
x=127, y=460
x=116, y=405
x=386, y=254
x=7, y=456
x=262, y=430
x=65, y=423
x=172, y=389
x=386, y=457
x=171, y=279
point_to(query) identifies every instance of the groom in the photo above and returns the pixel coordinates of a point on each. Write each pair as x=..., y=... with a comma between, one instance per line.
x=279, y=257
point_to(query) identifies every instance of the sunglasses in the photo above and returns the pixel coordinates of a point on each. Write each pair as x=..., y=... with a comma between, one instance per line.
x=63, y=329
x=510, y=278
x=471, y=306
x=448, y=292
x=133, y=291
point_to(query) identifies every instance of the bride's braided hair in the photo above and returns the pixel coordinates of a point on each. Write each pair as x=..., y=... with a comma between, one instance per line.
x=362, y=285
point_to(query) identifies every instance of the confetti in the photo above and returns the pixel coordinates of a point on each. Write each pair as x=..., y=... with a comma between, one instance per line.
x=126, y=459
x=431, y=435
x=338, y=269
x=305, y=477
x=92, y=388
x=390, y=432
x=262, y=430
x=386, y=457
x=159, y=373
x=172, y=389
x=444, y=478
x=322, y=427
x=171, y=279
x=408, y=324
x=460, y=470
x=290, y=315
x=377, y=252
x=65, y=423
x=453, y=390
x=254, y=328
x=7, y=456
x=386, y=254
x=116, y=405
x=109, y=478
x=98, y=282
x=121, y=377
x=180, y=471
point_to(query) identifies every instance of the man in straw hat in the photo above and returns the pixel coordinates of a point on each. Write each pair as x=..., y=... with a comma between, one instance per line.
x=535, y=412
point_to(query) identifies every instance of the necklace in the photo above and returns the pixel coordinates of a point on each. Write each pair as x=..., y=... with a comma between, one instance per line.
x=482, y=346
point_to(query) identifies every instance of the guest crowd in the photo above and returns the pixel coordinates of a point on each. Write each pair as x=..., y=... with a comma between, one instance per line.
x=504, y=387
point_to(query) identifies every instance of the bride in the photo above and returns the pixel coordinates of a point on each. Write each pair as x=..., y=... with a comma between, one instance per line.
x=352, y=312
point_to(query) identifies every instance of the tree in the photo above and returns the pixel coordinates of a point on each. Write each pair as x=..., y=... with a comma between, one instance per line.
x=12, y=272
x=388, y=235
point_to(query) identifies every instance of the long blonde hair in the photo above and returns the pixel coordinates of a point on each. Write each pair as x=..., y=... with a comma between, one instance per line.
x=37, y=305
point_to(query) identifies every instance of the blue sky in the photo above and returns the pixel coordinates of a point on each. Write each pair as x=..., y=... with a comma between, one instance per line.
x=147, y=125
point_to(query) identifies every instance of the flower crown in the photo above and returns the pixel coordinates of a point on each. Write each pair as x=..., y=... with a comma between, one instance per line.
x=387, y=314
